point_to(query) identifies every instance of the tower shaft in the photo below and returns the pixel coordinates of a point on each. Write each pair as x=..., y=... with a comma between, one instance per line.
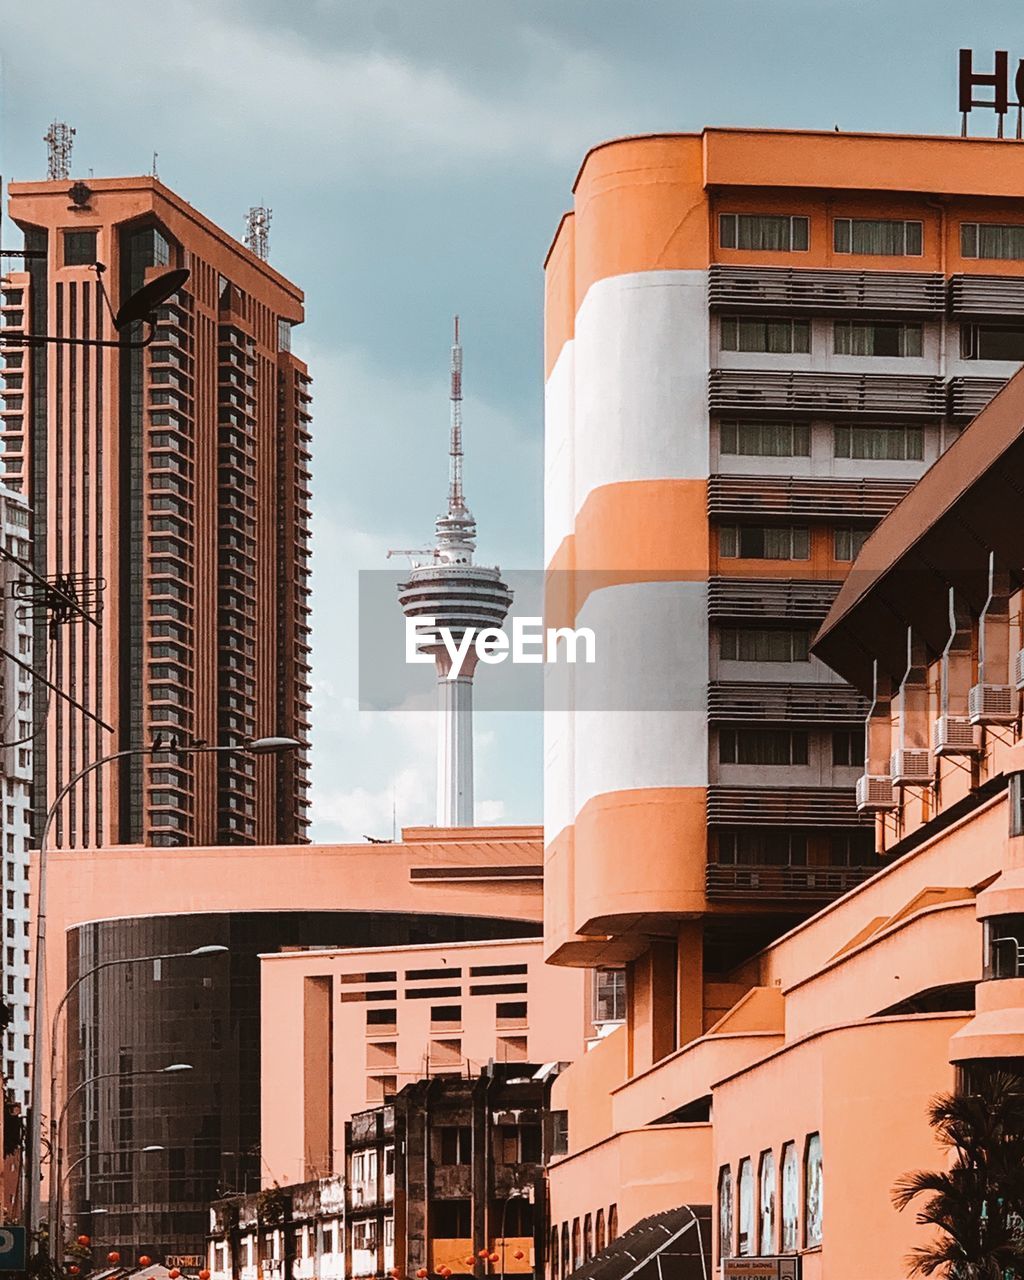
x=455, y=751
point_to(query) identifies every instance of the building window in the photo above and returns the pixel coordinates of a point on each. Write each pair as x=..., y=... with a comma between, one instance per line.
x=764, y=232
x=599, y=1239
x=776, y=337
x=879, y=444
x=848, y=542
x=79, y=248
x=1004, y=940
x=609, y=995
x=746, y=1208
x=762, y=848
x=764, y=542
x=451, y=1220
x=812, y=1191
x=613, y=1222
x=877, y=338
x=577, y=1252
x=454, y=1144
x=763, y=644
x=1016, y=795
x=762, y=746
x=988, y=342
x=553, y=1259
x=880, y=236
x=565, y=1249
x=588, y=1238
x=790, y=1198
x=516, y=1144
x=766, y=1205
x=765, y=439
x=992, y=240
x=847, y=747
x=724, y=1213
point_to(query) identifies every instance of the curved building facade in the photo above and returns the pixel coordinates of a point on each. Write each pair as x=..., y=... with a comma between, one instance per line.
x=128, y=1022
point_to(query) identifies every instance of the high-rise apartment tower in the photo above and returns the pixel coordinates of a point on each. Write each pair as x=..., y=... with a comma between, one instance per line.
x=174, y=477
x=756, y=342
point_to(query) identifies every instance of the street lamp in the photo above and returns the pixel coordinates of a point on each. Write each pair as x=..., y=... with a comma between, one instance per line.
x=142, y=306
x=57, y=1180
x=209, y=949
x=255, y=746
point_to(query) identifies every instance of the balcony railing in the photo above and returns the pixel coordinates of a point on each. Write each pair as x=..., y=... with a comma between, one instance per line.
x=730, y=882
x=971, y=295
x=826, y=394
x=865, y=499
x=788, y=288
x=730, y=806
x=968, y=396
x=779, y=599
x=731, y=702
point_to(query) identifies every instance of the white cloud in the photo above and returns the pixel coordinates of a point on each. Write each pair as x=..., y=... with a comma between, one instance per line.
x=241, y=88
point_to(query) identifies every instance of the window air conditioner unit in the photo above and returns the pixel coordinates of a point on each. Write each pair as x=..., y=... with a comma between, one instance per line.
x=875, y=793
x=955, y=736
x=1018, y=669
x=911, y=766
x=992, y=704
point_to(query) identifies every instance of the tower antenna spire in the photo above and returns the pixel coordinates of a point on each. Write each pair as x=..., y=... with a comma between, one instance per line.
x=59, y=140
x=456, y=498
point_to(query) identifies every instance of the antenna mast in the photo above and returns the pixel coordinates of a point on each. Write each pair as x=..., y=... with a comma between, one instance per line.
x=257, y=231
x=59, y=140
x=456, y=501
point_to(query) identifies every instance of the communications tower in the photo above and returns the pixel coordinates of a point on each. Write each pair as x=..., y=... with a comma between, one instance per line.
x=447, y=586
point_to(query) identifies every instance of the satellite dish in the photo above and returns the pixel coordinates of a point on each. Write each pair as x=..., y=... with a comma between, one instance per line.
x=143, y=302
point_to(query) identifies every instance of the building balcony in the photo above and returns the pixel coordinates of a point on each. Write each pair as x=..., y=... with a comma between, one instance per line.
x=825, y=807
x=732, y=882
x=968, y=396
x=791, y=289
x=778, y=599
x=827, y=395
x=739, y=702
x=971, y=295
x=856, y=499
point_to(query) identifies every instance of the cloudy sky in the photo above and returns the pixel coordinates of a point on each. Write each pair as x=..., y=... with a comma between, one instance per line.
x=417, y=155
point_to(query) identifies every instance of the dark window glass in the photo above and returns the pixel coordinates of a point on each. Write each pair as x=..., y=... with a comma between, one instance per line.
x=762, y=746
x=848, y=747
x=79, y=248
x=991, y=342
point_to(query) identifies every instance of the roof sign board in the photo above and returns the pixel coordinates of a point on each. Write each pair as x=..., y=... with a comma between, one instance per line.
x=784, y=1268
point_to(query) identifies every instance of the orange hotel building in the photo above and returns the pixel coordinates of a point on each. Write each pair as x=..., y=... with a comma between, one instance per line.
x=757, y=344
x=177, y=477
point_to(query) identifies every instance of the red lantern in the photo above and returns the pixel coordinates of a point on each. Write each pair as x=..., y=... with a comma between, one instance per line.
x=113, y=1256
x=204, y=1274
x=73, y=1270
x=85, y=1241
x=174, y=1273
x=422, y=1273
x=145, y=1260
x=493, y=1257
x=519, y=1255
x=482, y=1253
x=395, y=1272
x=469, y=1261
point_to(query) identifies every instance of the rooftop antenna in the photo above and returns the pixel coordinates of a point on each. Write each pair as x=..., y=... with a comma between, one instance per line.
x=456, y=501
x=59, y=140
x=257, y=231
x=155, y=174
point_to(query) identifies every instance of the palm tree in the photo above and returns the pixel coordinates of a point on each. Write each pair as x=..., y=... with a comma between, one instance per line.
x=977, y=1204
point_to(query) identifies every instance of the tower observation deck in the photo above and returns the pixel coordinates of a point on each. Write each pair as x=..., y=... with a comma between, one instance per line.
x=446, y=585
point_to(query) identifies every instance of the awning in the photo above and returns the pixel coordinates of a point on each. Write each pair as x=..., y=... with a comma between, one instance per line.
x=674, y=1245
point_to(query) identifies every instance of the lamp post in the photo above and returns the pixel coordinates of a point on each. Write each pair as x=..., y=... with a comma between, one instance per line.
x=195, y=953
x=517, y=1193
x=257, y=746
x=57, y=1189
